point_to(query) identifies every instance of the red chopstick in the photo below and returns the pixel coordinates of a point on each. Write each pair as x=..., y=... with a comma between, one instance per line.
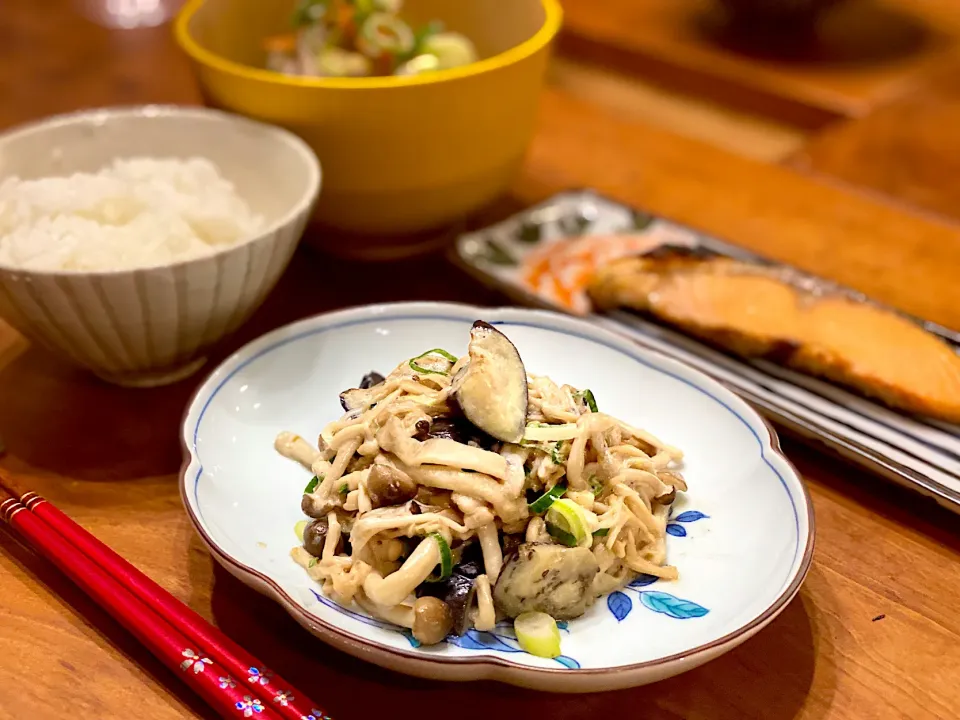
x=175, y=651
x=156, y=617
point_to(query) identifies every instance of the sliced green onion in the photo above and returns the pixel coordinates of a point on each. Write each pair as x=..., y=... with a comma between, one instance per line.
x=384, y=33
x=426, y=371
x=538, y=634
x=345, y=488
x=555, y=453
x=439, y=351
x=602, y=532
x=312, y=485
x=299, y=528
x=566, y=515
x=543, y=503
x=590, y=400
x=561, y=536
x=451, y=49
x=418, y=65
x=313, y=561
x=595, y=485
x=446, y=557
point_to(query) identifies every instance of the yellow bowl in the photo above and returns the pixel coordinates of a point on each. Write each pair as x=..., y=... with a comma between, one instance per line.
x=399, y=154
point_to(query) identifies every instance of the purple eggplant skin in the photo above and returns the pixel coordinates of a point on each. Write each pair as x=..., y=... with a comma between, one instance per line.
x=491, y=388
x=457, y=591
x=370, y=379
x=458, y=429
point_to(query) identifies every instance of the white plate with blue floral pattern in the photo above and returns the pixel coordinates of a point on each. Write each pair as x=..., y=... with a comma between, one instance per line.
x=742, y=537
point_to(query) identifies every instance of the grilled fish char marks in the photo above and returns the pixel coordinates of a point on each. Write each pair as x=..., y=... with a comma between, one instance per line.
x=758, y=311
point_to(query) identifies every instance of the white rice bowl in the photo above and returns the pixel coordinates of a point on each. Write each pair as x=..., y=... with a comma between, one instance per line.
x=133, y=239
x=137, y=212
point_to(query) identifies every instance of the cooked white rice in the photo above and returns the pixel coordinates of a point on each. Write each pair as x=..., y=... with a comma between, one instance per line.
x=138, y=212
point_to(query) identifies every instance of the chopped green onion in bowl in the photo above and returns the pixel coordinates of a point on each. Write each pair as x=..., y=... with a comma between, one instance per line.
x=383, y=33
x=451, y=49
x=363, y=38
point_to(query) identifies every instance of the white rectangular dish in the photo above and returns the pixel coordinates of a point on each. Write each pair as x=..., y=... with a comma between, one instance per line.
x=921, y=454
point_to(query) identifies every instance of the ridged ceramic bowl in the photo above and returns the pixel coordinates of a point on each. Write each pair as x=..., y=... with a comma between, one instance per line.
x=152, y=326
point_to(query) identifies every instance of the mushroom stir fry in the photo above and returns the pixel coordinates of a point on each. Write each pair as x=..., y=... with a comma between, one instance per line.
x=456, y=491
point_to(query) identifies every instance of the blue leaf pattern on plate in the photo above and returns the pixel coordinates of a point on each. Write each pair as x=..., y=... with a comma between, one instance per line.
x=643, y=580
x=466, y=642
x=620, y=605
x=568, y=662
x=671, y=605
x=676, y=530
x=690, y=516
x=491, y=641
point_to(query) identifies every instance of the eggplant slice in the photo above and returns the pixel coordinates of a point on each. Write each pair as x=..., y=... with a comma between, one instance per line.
x=547, y=578
x=491, y=389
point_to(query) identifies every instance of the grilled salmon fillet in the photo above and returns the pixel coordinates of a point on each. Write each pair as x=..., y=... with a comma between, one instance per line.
x=757, y=311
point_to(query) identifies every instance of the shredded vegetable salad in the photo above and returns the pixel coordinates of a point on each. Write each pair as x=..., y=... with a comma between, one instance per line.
x=361, y=38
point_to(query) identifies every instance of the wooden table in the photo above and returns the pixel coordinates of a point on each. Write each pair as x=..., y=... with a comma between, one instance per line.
x=875, y=632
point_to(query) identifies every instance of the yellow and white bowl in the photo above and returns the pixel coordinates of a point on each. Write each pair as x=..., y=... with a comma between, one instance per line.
x=152, y=326
x=400, y=154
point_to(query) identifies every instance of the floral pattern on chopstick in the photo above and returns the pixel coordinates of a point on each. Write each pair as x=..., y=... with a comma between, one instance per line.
x=249, y=705
x=283, y=697
x=316, y=715
x=227, y=682
x=198, y=663
x=259, y=676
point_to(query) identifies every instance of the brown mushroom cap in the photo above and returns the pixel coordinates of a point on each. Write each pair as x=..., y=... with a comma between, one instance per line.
x=315, y=536
x=387, y=486
x=432, y=620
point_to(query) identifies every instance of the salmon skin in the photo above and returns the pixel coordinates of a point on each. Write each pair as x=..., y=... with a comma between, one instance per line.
x=760, y=311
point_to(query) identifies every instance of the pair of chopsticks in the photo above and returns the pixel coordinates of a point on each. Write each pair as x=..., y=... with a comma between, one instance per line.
x=229, y=678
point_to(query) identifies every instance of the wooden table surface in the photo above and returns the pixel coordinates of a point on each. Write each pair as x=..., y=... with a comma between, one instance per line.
x=875, y=631
x=863, y=54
